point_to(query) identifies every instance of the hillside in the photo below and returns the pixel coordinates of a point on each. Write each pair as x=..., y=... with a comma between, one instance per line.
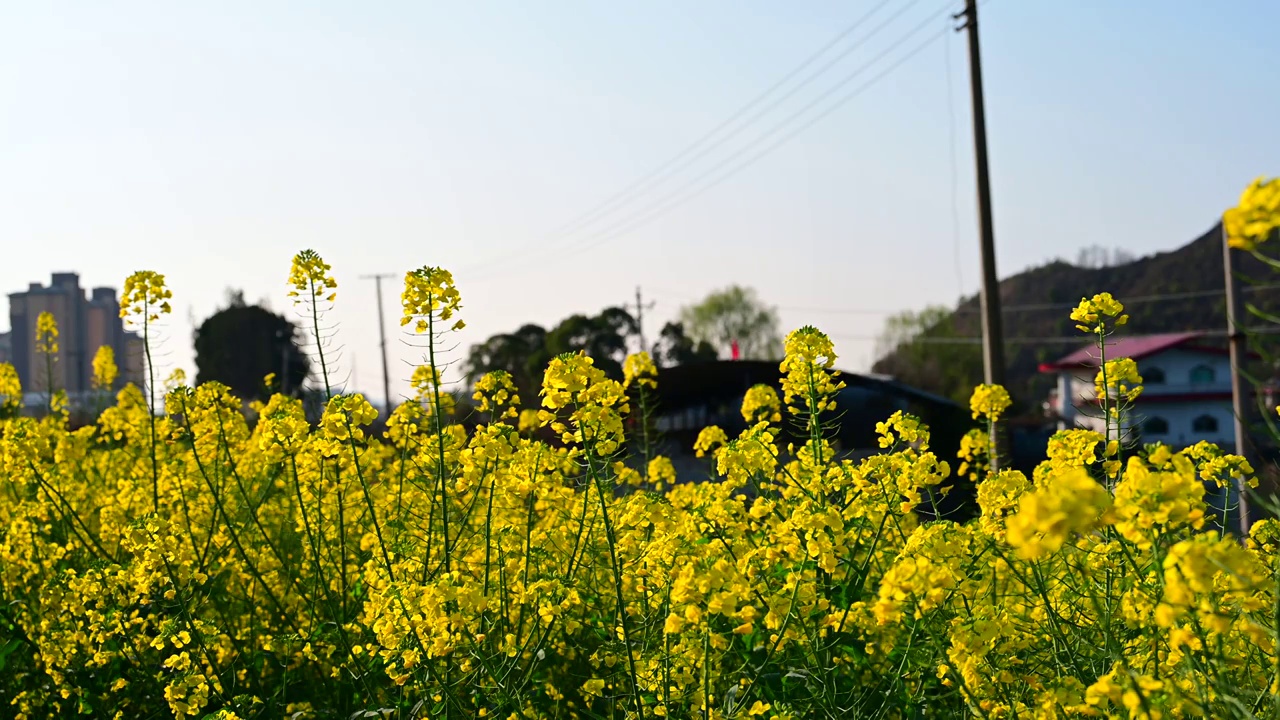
x=1038, y=303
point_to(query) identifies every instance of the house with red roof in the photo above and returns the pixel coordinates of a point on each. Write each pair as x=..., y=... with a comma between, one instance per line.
x=1186, y=394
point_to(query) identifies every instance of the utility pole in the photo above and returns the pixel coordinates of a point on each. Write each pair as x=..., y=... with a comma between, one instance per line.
x=382, y=337
x=640, y=308
x=992, y=332
x=1239, y=392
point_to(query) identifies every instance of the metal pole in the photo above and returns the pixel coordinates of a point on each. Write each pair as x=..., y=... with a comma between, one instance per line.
x=382, y=339
x=1239, y=392
x=992, y=333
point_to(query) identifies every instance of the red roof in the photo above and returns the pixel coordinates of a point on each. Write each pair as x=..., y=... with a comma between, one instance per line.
x=1136, y=347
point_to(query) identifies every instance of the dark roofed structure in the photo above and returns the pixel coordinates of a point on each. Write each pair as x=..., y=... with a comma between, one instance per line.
x=691, y=397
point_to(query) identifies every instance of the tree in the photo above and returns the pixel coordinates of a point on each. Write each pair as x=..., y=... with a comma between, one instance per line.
x=522, y=353
x=924, y=349
x=603, y=337
x=526, y=352
x=735, y=314
x=674, y=347
x=240, y=344
x=1096, y=257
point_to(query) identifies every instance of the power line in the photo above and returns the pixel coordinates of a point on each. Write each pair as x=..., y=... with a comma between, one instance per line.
x=1038, y=307
x=679, y=159
x=1065, y=339
x=672, y=200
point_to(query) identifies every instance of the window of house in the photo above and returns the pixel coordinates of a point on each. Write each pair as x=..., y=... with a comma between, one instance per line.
x=1155, y=426
x=1205, y=424
x=1152, y=376
x=1201, y=374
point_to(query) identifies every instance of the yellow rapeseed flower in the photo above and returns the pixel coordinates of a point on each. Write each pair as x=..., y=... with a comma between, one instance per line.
x=1256, y=216
x=1150, y=504
x=429, y=294
x=1090, y=315
x=1118, y=379
x=989, y=401
x=761, y=403
x=310, y=278
x=10, y=388
x=104, y=368
x=638, y=368
x=46, y=334
x=1069, y=503
x=145, y=297
x=806, y=369
x=496, y=394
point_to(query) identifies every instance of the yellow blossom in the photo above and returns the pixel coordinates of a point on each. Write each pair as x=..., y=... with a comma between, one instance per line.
x=145, y=297
x=46, y=334
x=989, y=401
x=1256, y=216
x=1090, y=315
x=104, y=367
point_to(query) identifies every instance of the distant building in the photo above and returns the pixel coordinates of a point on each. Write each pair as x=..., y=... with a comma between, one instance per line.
x=85, y=323
x=691, y=397
x=1186, y=394
x=5, y=353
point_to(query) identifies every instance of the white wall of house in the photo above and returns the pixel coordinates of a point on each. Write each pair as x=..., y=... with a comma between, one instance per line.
x=1186, y=371
x=1180, y=422
x=1187, y=423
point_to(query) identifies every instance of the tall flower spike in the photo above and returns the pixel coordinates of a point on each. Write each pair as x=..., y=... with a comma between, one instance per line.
x=989, y=401
x=1118, y=379
x=496, y=394
x=145, y=297
x=46, y=334
x=1092, y=312
x=429, y=292
x=310, y=277
x=638, y=369
x=105, y=371
x=1256, y=216
x=806, y=368
x=10, y=388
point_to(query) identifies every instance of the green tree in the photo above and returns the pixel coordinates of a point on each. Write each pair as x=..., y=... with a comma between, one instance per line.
x=674, y=348
x=735, y=314
x=526, y=352
x=603, y=337
x=240, y=344
x=523, y=354
x=924, y=349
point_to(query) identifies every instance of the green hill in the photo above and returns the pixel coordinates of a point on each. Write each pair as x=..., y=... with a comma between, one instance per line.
x=1166, y=292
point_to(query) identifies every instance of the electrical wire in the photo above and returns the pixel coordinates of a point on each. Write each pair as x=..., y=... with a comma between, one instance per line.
x=621, y=198
x=1037, y=307
x=672, y=200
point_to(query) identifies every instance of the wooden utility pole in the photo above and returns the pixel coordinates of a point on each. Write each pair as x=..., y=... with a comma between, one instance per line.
x=382, y=338
x=992, y=332
x=1239, y=390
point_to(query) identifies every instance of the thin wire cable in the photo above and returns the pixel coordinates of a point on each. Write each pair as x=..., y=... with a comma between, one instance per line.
x=642, y=184
x=1036, y=307
x=673, y=200
x=1068, y=339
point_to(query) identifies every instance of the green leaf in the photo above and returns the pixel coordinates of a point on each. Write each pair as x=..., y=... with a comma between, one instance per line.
x=6, y=650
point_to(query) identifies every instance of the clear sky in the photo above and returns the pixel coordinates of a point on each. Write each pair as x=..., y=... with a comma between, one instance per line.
x=211, y=141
